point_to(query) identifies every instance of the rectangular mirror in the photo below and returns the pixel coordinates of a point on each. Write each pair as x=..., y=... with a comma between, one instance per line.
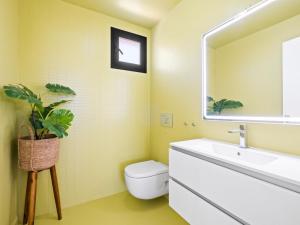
x=251, y=65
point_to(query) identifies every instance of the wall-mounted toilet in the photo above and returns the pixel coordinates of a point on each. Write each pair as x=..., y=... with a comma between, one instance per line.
x=147, y=180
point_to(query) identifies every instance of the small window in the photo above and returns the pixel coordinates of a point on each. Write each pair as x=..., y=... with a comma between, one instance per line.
x=128, y=51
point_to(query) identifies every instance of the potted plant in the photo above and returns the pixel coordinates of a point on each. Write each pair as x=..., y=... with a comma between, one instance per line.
x=39, y=151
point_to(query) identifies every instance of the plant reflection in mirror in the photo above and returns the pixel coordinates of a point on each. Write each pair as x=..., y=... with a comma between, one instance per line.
x=216, y=107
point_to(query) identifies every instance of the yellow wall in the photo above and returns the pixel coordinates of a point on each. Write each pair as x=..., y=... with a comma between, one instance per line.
x=8, y=74
x=60, y=42
x=254, y=61
x=67, y=44
x=176, y=81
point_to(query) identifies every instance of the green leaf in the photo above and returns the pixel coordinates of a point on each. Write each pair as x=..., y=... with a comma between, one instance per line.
x=57, y=88
x=52, y=106
x=231, y=104
x=58, y=122
x=218, y=106
x=29, y=92
x=22, y=93
x=222, y=104
x=55, y=104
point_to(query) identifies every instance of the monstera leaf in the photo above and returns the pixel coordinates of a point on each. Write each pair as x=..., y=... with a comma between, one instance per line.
x=58, y=122
x=36, y=118
x=22, y=93
x=57, y=88
x=55, y=104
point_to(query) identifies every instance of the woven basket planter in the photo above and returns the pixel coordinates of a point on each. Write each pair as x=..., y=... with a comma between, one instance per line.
x=37, y=155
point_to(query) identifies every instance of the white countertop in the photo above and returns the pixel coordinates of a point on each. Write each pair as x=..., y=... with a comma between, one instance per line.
x=286, y=168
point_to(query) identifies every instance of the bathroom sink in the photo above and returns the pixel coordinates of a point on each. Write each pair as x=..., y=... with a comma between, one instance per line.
x=247, y=155
x=277, y=168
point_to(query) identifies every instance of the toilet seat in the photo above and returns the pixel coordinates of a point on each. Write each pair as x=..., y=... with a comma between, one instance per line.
x=145, y=169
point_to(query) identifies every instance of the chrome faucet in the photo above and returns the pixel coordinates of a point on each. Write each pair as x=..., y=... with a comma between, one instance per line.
x=243, y=135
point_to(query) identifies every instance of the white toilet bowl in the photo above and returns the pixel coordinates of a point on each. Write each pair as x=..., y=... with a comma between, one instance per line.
x=147, y=180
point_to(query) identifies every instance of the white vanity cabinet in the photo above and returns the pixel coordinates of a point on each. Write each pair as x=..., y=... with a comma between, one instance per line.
x=195, y=210
x=206, y=193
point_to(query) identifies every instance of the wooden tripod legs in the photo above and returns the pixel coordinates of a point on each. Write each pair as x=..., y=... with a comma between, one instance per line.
x=30, y=199
x=56, y=191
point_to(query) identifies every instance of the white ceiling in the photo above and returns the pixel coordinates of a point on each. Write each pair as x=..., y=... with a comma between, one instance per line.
x=142, y=12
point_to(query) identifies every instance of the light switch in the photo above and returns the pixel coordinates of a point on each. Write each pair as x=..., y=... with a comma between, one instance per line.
x=166, y=120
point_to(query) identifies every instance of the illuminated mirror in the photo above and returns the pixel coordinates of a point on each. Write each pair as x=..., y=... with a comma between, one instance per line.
x=251, y=65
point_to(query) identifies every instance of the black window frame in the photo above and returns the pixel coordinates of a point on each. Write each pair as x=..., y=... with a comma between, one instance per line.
x=115, y=63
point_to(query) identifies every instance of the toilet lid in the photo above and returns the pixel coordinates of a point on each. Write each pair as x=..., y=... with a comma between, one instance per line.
x=145, y=169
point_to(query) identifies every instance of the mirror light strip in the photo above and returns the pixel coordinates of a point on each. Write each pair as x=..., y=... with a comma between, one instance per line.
x=256, y=119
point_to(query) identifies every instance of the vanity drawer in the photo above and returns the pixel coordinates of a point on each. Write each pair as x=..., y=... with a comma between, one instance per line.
x=195, y=210
x=254, y=201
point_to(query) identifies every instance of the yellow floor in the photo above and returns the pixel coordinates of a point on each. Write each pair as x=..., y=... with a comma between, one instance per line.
x=120, y=209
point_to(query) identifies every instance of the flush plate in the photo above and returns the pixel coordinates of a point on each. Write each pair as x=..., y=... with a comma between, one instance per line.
x=166, y=120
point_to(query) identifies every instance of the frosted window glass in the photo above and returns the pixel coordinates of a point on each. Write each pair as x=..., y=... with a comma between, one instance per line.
x=130, y=51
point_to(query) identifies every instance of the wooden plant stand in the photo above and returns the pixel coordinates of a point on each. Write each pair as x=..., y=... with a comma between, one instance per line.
x=30, y=199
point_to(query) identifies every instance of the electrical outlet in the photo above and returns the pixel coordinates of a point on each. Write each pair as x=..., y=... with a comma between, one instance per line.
x=166, y=120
